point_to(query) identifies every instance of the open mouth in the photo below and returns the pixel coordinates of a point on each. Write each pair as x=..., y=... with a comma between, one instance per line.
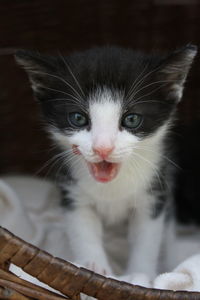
x=103, y=171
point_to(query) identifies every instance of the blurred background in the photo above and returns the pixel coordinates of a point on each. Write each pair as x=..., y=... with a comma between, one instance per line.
x=66, y=25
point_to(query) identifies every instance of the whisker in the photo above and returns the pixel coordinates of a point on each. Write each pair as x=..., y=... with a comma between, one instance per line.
x=46, y=164
x=76, y=166
x=65, y=161
x=163, y=156
x=72, y=74
x=136, y=100
x=122, y=152
x=137, y=168
x=54, y=161
x=55, y=90
x=57, y=99
x=165, y=82
x=143, y=78
x=153, y=167
x=59, y=78
x=135, y=81
x=147, y=101
x=69, y=99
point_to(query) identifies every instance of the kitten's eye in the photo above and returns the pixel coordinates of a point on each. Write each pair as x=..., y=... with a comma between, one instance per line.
x=78, y=119
x=132, y=121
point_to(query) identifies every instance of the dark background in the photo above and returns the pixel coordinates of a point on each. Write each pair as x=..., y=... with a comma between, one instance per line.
x=67, y=25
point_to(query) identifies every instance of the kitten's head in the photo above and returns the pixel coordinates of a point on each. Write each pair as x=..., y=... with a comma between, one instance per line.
x=106, y=103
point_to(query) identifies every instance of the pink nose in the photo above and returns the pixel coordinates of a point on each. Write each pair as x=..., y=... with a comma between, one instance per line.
x=103, y=152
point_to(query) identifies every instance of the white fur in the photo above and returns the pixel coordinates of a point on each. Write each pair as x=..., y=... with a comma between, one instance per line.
x=124, y=198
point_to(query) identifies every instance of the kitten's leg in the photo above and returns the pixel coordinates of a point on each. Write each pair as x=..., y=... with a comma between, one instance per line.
x=84, y=229
x=169, y=247
x=145, y=237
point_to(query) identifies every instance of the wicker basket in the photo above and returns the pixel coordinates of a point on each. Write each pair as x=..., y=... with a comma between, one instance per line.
x=65, y=277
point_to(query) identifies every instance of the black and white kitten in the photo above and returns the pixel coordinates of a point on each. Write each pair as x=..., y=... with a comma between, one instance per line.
x=110, y=111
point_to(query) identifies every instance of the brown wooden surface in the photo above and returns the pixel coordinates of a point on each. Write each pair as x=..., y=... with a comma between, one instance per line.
x=7, y=278
x=68, y=25
x=71, y=280
x=7, y=293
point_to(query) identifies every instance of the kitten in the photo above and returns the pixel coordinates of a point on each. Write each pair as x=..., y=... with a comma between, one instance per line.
x=110, y=110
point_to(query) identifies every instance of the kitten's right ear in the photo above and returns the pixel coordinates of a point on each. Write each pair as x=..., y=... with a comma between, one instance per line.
x=174, y=69
x=40, y=69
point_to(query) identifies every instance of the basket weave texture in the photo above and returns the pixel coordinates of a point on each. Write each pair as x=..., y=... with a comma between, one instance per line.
x=65, y=277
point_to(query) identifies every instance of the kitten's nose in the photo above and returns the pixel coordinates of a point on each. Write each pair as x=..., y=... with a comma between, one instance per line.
x=102, y=151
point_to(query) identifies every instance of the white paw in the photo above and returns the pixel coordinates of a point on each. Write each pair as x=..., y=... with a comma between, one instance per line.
x=137, y=279
x=98, y=267
x=174, y=281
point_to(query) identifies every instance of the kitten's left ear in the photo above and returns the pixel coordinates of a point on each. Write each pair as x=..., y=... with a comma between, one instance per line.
x=41, y=70
x=174, y=70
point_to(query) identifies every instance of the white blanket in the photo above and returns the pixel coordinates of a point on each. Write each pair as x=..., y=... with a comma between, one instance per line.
x=30, y=208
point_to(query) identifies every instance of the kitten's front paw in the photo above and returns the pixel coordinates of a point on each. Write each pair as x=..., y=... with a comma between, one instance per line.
x=100, y=268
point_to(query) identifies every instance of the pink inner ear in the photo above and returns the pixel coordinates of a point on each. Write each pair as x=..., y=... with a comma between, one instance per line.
x=76, y=150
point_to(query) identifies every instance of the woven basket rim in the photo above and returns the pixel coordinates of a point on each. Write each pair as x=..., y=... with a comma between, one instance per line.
x=72, y=280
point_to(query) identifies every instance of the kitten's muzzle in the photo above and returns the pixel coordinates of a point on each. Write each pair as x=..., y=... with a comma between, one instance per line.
x=103, y=152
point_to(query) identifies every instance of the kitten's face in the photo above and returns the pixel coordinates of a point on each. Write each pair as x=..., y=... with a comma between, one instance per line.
x=105, y=105
x=101, y=133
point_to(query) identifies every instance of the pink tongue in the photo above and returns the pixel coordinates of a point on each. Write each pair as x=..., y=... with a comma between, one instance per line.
x=103, y=171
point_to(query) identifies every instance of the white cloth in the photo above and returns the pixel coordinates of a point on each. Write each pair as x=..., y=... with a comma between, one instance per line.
x=29, y=208
x=185, y=277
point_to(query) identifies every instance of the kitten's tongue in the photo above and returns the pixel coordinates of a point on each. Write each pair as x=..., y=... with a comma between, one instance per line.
x=103, y=171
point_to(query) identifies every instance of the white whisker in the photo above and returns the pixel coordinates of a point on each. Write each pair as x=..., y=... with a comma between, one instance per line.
x=75, y=101
x=134, y=84
x=46, y=164
x=142, y=80
x=164, y=82
x=72, y=74
x=59, y=78
x=163, y=156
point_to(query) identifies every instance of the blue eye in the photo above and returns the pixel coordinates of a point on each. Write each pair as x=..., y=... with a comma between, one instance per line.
x=132, y=121
x=78, y=119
